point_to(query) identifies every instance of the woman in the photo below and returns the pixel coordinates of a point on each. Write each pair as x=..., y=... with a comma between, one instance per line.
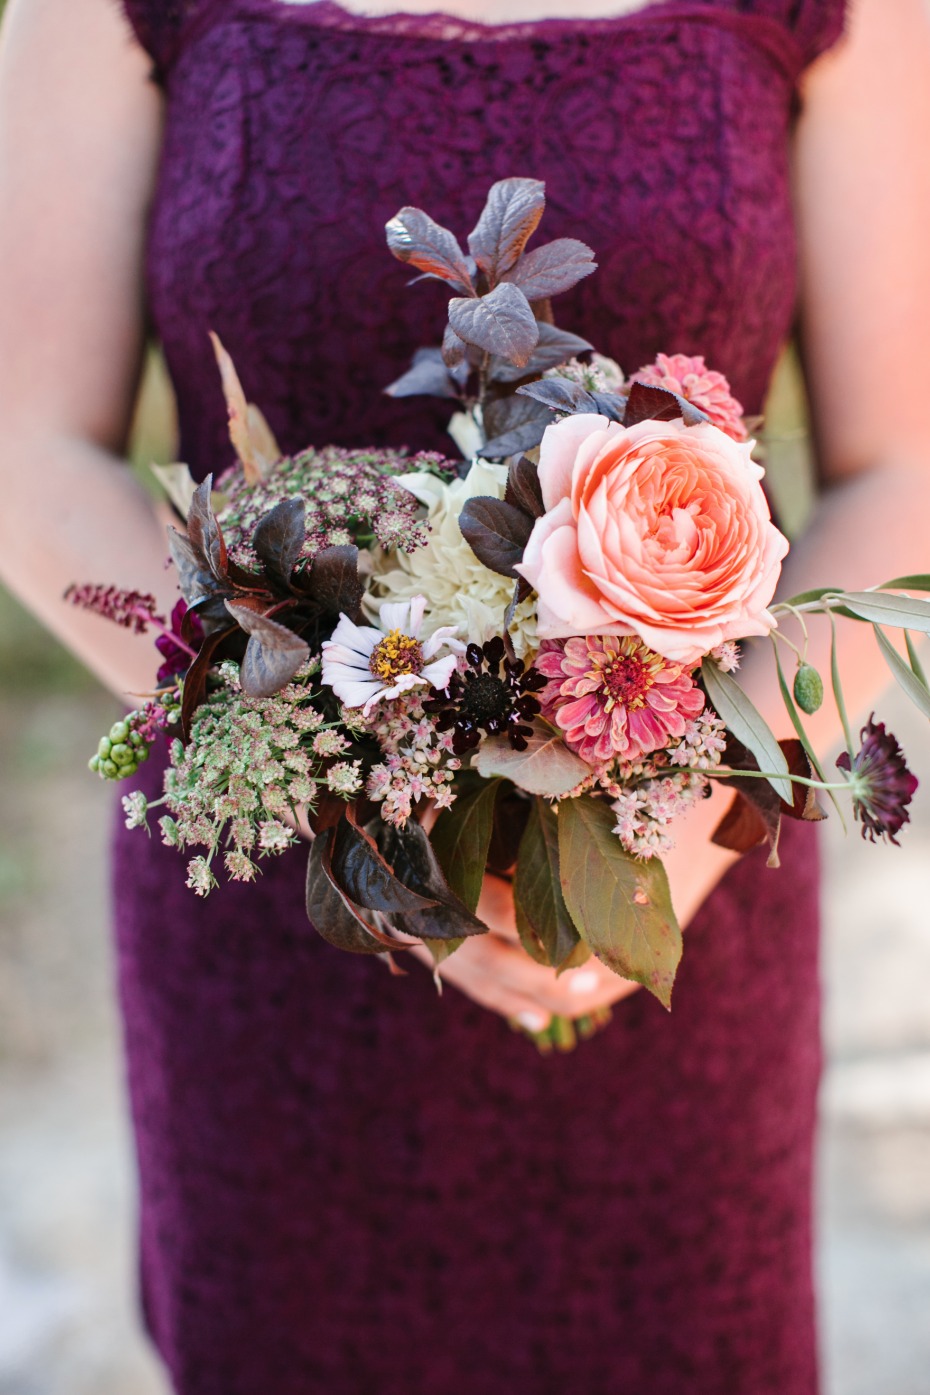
x=347, y=1184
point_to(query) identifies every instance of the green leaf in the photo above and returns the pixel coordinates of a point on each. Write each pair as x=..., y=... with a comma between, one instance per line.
x=918, y=582
x=747, y=725
x=543, y=921
x=546, y=767
x=915, y=660
x=461, y=838
x=805, y=597
x=620, y=906
x=915, y=690
x=882, y=609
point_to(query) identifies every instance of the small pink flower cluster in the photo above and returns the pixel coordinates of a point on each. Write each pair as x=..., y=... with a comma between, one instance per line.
x=645, y=813
x=419, y=762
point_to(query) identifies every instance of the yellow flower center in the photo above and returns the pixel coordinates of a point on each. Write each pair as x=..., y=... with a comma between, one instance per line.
x=394, y=656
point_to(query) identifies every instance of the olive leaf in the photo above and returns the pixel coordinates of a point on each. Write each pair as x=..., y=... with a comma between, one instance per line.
x=748, y=725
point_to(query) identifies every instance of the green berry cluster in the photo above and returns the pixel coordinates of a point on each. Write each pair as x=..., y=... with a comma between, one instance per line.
x=120, y=753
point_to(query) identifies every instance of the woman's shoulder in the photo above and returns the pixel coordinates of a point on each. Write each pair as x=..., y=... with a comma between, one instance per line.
x=815, y=24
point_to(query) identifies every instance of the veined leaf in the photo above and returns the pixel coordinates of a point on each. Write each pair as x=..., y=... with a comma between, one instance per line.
x=919, y=582
x=461, y=837
x=546, y=928
x=414, y=237
x=621, y=906
x=552, y=268
x=500, y=322
x=509, y=218
x=546, y=767
x=747, y=725
x=329, y=911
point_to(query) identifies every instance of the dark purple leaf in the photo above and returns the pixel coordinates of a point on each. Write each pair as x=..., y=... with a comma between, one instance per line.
x=756, y=813
x=414, y=863
x=333, y=582
x=204, y=531
x=361, y=873
x=329, y=910
x=497, y=533
x=647, y=402
x=521, y=589
x=195, y=578
x=523, y=488
x=279, y=537
x=272, y=656
x=416, y=239
x=428, y=376
x=453, y=349
x=508, y=220
x=555, y=347
x=515, y=442
x=609, y=404
x=553, y=268
x=511, y=811
x=559, y=395
x=501, y=322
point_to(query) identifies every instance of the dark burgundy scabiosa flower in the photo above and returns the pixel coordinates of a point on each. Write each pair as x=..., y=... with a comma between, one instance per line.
x=493, y=695
x=882, y=785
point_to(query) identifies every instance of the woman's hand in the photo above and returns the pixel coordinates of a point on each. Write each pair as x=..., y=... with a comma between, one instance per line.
x=497, y=972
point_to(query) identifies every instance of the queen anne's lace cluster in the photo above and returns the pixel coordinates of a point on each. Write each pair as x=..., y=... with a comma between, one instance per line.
x=250, y=765
x=349, y=496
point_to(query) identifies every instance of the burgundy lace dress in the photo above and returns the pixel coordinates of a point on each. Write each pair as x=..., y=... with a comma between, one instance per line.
x=348, y=1185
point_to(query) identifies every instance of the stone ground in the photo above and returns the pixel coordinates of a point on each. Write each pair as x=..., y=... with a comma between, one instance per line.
x=67, y=1318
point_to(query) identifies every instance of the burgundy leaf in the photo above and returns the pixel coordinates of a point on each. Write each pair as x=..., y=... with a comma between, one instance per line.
x=610, y=404
x=333, y=581
x=647, y=402
x=195, y=578
x=755, y=815
x=559, y=395
x=501, y=322
x=428, y=376
x=555, y=347
x=204, y=531
x=414, y=863
x=496, y=532
x=508, y=220
x=553, y=268
x=272, y=656
x=524, y=490
x=453, y=349
x=507, y=412
x=279, y=537
x=330, y=912
x=416, y=239
x=511, y=812
x=515, y=442
x=362, y=874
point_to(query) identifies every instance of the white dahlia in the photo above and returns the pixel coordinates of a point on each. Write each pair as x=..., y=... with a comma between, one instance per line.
x=459, y=589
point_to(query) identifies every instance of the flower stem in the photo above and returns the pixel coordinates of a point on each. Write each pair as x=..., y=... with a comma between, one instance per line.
x=838, y=689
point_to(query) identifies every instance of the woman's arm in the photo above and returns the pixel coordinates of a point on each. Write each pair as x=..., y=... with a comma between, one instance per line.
x=79, y=136
x=863, y=207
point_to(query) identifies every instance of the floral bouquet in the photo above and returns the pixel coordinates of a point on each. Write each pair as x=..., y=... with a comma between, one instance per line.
x=535, y=644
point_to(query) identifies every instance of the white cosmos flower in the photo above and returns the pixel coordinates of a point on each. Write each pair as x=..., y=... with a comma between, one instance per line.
x=363, y=664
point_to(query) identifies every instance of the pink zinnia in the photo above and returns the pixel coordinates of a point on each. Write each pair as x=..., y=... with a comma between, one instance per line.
x=710, y=391
x=614, y=698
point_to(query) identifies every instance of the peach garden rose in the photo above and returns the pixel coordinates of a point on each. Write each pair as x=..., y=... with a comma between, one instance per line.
x=659, y=530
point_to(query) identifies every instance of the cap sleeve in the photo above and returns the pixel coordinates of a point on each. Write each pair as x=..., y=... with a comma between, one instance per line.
x=157, y=25
x=814, y=25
